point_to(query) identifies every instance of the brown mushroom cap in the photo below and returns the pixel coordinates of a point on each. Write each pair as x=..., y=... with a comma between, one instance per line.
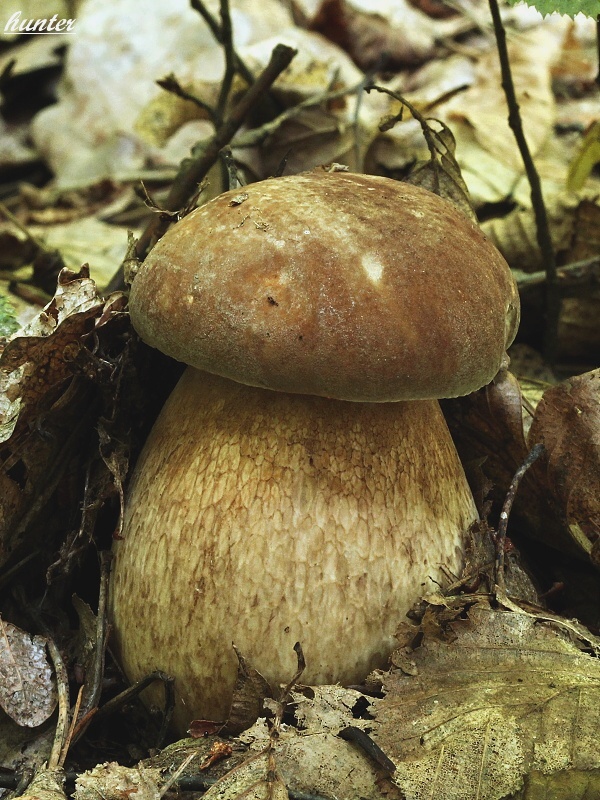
x=333, y=284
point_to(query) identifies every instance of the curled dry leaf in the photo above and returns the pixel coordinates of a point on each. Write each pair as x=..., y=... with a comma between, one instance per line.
x=508, y=695
x=27, y=692
x=248, y=694
x=567, y=423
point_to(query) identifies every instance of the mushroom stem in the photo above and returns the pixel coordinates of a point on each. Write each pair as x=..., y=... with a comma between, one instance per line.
x=264, y=518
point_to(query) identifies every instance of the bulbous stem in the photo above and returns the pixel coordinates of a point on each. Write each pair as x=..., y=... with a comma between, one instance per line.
x=264, y=518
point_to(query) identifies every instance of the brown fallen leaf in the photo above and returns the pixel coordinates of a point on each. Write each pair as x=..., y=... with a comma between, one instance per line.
x=27, y=691
x=510, y=694
x=489, y=430
x=567, y=423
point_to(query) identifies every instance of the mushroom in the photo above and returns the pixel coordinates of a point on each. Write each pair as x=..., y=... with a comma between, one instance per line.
x=300, y=483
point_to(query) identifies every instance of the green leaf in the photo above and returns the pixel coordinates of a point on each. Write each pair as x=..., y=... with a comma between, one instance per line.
x=591, y=8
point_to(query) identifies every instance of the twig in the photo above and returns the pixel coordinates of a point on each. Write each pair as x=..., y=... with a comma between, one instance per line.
x=552, y=300
x=37, y=243
x=192, y=172
x=535, y=452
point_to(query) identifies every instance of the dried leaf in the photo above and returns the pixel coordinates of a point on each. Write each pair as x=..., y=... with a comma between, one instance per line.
x=40, y=359
x=442, y=175
x=86, y=240
x=367, y=29
x=27, y=692
x=487, y=152
x=249, y=782
x=508, y=696
x=113, y=782
x=567, y=423
x=248, y=694
x=48, y=784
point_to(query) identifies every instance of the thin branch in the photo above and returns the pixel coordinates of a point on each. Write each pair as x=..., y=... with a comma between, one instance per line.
x=552, y=300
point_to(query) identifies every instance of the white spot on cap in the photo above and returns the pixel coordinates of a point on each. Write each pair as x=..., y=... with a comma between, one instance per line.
x=373, y=267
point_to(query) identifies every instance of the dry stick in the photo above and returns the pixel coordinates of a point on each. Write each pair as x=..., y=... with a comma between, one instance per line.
x=553, y=300
x=192, y=172
x=535, y=452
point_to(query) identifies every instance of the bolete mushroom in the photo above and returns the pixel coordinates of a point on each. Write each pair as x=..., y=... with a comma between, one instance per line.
x=300, y=483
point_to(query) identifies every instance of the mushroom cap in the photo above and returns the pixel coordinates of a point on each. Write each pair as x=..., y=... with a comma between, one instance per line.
x=340, y=285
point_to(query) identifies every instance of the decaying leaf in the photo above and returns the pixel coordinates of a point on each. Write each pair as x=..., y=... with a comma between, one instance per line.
x=567, y=423
x=508, y=695
x=248, y=694
x=47, y=784
x=114, y=782
x=49, y=376
x=515, y=234
x=27, y=692
x=251, y=780
x=39, y=358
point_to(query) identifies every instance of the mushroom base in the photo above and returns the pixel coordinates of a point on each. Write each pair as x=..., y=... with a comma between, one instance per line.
x=263, y=518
